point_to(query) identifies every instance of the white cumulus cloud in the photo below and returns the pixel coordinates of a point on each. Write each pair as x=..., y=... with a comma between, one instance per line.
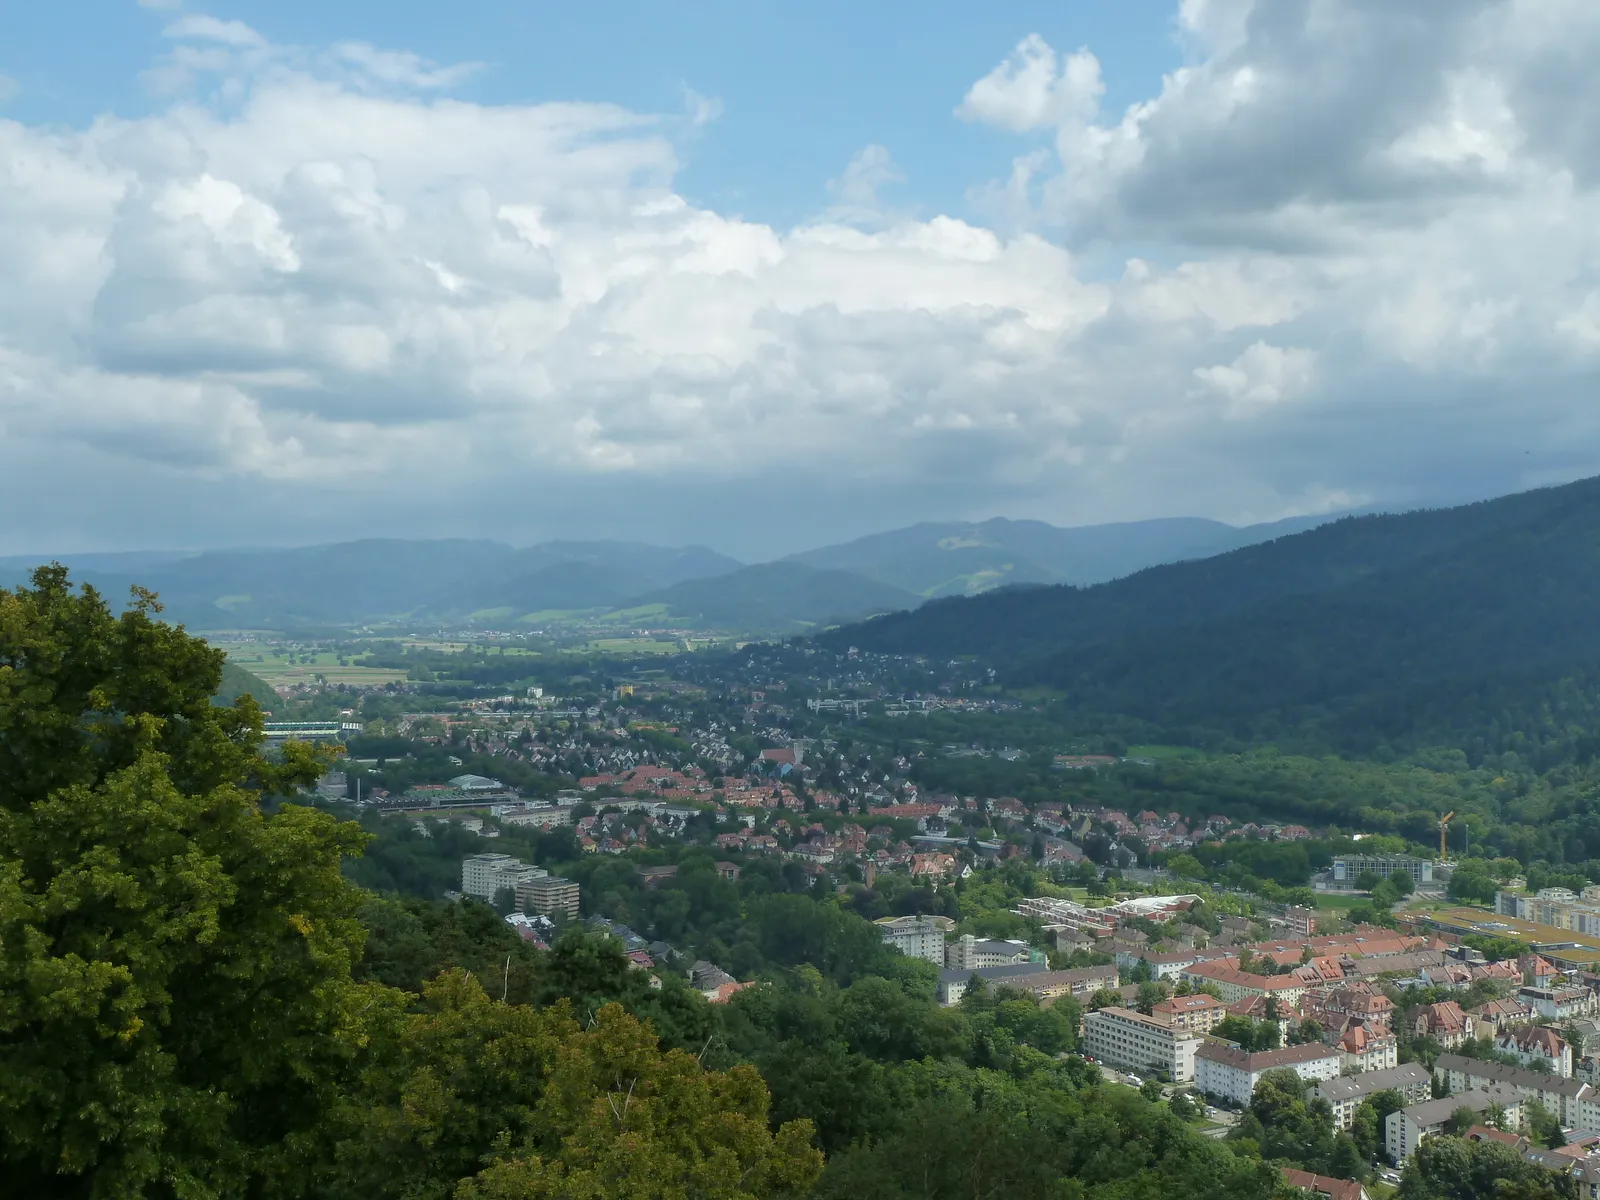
x=1345, y=251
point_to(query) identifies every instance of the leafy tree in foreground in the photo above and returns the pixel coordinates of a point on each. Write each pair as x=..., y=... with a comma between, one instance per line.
x=176, y=1006
x=557, y=1109
x=1448, y=1168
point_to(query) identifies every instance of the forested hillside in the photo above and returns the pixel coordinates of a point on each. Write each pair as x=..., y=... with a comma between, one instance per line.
x=1418, y=628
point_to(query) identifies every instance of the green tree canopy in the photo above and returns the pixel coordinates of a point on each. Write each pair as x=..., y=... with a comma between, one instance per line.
x=176, y=1005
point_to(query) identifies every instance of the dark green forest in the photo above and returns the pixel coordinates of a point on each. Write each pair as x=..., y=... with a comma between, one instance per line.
x=1469, y=627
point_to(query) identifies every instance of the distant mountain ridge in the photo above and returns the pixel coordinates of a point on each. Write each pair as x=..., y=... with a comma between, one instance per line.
x=380, y=579
x=952, y=558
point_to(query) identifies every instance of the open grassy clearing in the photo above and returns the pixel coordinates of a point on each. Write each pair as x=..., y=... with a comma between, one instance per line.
x=1338, y=903
x=1164, y=752
x=634, y=646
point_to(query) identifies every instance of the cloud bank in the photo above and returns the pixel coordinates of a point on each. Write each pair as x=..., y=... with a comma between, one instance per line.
x=1354, y=258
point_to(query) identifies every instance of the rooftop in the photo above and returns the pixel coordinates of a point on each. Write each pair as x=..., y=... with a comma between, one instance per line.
x=1368, y=1082
x=1265, y=1060
x=1510, y=1076
x=1436, y=1112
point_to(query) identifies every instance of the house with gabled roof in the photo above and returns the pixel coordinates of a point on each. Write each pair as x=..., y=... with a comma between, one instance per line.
x=1446, y=1023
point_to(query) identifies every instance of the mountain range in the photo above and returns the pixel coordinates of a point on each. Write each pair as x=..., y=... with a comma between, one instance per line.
x=1369, y=628
x=451, y=579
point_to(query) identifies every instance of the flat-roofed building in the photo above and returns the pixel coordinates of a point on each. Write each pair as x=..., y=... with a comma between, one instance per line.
x=968, y=953
x=1347, y=868
x=917, y=937
x=1344, y=1095
x=552, y=895
x=1131, y=1039
x=485, y=875
x=1224, y=1070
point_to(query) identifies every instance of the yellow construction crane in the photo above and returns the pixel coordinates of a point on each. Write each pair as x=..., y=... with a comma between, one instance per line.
x=1444, y=825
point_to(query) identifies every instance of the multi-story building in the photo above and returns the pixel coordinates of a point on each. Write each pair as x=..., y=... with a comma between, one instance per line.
x=1302, y=921
x=1226, y=1071
x=1446, y=1023
x=968, y=953
x=1344, y=1095
x=1407, y=1127
x=953, y=983
x=1572, y=1101
x=485, y=875
x=1560, y=1003
x=1235, y=984
x=1131, y=1039
x=917, y=937
x=551, y=895
x=1537, y=1044
x=1199, y=1013
x=1347, y=868
x=552, y=816
x=1368, y=1048
x=1050, y=986
x=1560, y=907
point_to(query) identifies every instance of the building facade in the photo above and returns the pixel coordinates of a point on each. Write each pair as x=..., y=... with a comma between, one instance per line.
x=1559, y=907
x=1347, y=868
x=968, y=953
x=1572, y=1101
x=1345, y=1094
x=1199, y=1013
x=1223, y=1070
x=1406, y=1128
x=1131, y=1039
x=917, y=937
x=484, y=875
x=551, y=895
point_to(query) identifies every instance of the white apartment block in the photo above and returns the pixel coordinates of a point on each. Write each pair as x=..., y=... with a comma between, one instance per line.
x=917, y=937
x=553, y=817
x=1571, y=1101
x=1405, y=1129
x=1131, y=1039
x=483, y=875
x=1223, y=1070
x=1344, y=1095
x=968, y=953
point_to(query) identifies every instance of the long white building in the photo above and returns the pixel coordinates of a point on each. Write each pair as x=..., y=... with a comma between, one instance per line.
x=1131, y=1039
x=1344, y=1095
x=1405, y=1129
x=1226, y=1071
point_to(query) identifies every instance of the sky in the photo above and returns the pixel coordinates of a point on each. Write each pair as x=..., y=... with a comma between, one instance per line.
x=765, y=276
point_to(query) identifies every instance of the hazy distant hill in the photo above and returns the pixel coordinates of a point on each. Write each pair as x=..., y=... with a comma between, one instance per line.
x=372, y=579
x=1363, y=623
x=958, y=559
x=779, y=597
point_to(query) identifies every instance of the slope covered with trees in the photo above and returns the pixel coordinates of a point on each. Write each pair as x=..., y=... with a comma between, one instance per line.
x=1372, y=629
